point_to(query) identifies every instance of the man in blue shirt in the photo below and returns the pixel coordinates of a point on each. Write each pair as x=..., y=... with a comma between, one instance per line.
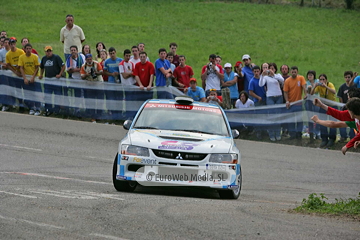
x=247, y=71
x=355, y=80
x=256, y=92
x=111, y=66
x=162, y=68
x=195, y=92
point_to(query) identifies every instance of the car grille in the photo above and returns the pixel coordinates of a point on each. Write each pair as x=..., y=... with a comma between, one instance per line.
x=179, y=155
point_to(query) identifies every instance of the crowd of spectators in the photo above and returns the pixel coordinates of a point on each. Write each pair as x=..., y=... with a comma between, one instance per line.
x=242, y=85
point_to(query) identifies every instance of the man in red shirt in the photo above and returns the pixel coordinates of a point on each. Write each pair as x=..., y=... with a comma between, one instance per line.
x=183, y=73
x=144, y=75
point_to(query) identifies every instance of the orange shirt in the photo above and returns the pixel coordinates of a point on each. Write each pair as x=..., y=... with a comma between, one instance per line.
x=293, y=86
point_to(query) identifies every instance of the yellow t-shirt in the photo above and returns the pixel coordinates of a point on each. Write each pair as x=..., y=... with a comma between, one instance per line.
x=29, y=63
x=13, y=57
x=325, y=93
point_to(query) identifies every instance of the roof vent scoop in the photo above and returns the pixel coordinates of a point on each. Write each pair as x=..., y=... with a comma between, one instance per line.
x=184, y=100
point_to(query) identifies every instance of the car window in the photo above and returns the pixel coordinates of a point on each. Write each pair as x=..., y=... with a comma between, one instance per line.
x=168, y=117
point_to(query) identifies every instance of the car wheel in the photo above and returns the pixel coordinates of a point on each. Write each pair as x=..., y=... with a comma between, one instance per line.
x=122, y=185
x=233, y=193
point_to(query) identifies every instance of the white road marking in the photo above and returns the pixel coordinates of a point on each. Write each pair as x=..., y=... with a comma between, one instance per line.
x=56, y=177
x=62, y=194
x=106, y=236
x=21, y=195
x=20, y=147
x=31, y=222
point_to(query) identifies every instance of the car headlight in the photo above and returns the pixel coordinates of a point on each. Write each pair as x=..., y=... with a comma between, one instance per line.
x=134, y=150
x=224, y=158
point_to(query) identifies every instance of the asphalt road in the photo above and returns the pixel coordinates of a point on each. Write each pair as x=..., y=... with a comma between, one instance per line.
x=55, y=183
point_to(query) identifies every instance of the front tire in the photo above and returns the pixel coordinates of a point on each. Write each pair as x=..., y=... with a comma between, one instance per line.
x=233, y=193
x=122, y=185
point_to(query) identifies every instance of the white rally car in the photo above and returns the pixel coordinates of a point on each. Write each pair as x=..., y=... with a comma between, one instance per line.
x=179, y=143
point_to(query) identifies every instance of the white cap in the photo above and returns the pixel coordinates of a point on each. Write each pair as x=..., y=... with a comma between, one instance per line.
x=246, y=56
x=227, y=65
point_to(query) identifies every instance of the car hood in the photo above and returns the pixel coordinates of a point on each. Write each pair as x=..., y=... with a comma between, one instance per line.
x=180, y=141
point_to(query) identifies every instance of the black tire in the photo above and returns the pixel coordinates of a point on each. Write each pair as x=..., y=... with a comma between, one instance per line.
x=233, y=193
x=122, y=185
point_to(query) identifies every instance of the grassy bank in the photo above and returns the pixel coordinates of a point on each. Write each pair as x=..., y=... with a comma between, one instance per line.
x=325, y=40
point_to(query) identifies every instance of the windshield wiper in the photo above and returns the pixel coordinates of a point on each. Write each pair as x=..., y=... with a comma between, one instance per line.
x=145, y=127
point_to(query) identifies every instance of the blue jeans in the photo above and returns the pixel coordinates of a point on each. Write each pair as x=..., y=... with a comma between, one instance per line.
x=309, y=106
x=275, y=129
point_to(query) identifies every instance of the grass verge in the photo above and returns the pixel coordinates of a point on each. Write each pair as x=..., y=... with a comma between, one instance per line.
x=317, y=204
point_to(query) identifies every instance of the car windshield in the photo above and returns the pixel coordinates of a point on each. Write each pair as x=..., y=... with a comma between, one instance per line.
x=172, y=117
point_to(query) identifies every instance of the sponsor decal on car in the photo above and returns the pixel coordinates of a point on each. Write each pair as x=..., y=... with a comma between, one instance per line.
x=125, y=158
x=144, y=160
x=177, y=145
x=187, y=107
x=120, y=177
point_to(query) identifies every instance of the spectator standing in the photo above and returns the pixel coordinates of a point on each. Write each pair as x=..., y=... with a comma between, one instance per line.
x=173, y=47
x=141, y=47
x=25, y=41
x=86, y=49
x=238, y=70
x=3, y=53
x=99, y=47
x=92, y=71
x=326, y=90
x=309, y=106
x=3, y=34
x=230, y=82
x=71, y=35
x=103, y=57
x=135, y=58
x=12, y=59
x=256, y=91
x=247, y=71
x=126, y=68
x=54, y=67
x=342, y=94
x=170, y=58
x=182, y=74
x=285, y=71
x=162, y=68
x=144, y=75
x=195, y=92
x=293, y=88
x=273, y=82
x=29, y=67
x=111, y=68
x=211, y=76
x=73, y=67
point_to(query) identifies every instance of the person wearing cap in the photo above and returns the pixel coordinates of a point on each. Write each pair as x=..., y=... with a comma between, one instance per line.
x=214, y=98
x=71, y=35
x=54, y=67
x=195, y=92
x=230, y=82
x=182, y=74
x=237, y=69
x=211, y=76
x=29, y=66
x=12, y=57
x=92, y=72
x=247, y=71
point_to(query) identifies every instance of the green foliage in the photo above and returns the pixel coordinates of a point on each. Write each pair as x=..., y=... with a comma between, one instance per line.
x=325, y=40
x=318, y=204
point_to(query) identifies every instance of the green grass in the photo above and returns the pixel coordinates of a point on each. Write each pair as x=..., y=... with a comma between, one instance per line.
x=325, y=40
x=318, y=204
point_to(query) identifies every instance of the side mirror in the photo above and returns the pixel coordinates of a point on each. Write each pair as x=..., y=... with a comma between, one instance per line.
x=127, y=124
x=235, y=133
